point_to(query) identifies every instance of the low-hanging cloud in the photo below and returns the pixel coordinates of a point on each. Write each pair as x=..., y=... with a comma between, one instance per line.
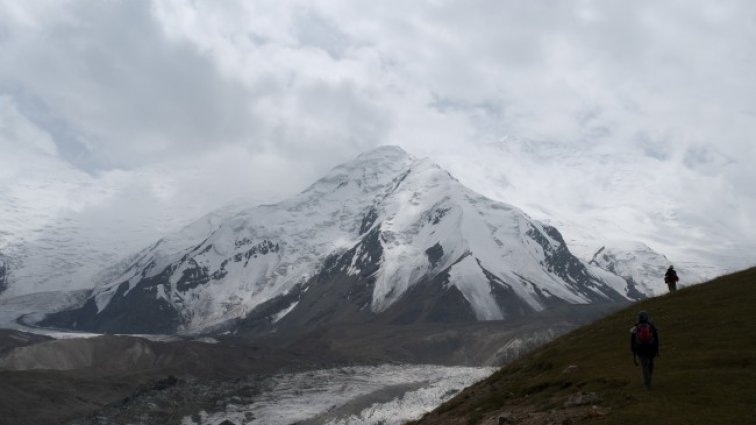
x=579, y=109
x=130, y=95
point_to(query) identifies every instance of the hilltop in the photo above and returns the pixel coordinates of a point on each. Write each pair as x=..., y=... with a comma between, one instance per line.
x=705, y=373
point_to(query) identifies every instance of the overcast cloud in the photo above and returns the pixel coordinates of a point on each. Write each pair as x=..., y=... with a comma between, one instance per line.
x=576, y=110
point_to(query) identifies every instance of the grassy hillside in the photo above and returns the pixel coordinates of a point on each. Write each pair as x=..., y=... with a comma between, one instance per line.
x=706, y=372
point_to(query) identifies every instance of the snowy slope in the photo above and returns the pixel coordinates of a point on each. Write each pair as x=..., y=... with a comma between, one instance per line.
x=61, y=224
x=67, y=233
x=42, y=245
x=54, y=232
x=642, y=267
x=594, y=196
x=261, y=252
x=475, y=234
x=31, y=202
x=392, y=220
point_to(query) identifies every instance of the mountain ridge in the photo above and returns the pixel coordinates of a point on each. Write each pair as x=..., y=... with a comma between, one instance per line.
x=387, y=219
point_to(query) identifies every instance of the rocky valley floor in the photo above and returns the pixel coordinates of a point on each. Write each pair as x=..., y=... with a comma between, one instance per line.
x=362, y=374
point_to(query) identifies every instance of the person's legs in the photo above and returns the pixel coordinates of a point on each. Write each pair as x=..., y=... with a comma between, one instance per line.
x=647, y=364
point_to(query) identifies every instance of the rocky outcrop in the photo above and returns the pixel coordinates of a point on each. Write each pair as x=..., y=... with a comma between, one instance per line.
x=3, y=275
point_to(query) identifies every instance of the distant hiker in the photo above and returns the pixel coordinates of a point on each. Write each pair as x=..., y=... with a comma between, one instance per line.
x=670, y=278
x=644, y=343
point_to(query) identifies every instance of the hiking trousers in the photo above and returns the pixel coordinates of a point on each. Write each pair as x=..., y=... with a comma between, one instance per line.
x=647, y=366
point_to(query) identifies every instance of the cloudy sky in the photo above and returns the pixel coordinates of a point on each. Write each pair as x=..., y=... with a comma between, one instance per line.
x=614, y=117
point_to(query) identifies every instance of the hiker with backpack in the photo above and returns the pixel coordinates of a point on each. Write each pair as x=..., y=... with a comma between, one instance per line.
x=644, y=343
x=670, y=278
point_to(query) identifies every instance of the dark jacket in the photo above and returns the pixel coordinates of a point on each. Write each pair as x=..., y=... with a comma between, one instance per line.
x=671, y=276
x=644, y=350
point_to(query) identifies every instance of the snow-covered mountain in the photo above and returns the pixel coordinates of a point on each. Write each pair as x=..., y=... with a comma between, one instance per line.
x=384, y=237
x=54, y=237
x=642, y=267
x=61, y=222
x=595, y=197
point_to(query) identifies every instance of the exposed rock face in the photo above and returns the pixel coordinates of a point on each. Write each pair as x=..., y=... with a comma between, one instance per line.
x=3, y=275
x=386, y=238
x=138, y=311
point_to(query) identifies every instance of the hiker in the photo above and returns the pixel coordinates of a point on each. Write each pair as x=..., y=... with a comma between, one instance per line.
x=644, y=343
x=670, y=278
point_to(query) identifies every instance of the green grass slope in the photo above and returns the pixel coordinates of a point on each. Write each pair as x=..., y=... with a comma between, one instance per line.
x=706, y=372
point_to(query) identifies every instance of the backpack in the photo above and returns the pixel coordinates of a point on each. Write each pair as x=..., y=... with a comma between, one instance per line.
x=671, y=277
x=644, y=335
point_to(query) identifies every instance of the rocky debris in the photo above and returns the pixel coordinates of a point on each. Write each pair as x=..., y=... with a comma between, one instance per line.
x=159, y=385
x=596, y=412
x=578, y=407
x=170, y=399
x=11, y=339
x=569, y=369
x=124, y=379
x=165, y=383
x=116, y=353
x=581, y=399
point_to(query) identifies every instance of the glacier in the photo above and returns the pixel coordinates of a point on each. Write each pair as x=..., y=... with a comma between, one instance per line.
x=384, y=394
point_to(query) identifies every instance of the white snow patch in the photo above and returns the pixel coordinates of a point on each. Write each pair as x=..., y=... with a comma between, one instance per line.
x=476, y=288
x=161, y=295
x=280, y=315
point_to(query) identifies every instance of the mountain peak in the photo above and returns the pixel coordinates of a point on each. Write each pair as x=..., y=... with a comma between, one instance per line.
x=370, y=172
x=374, y=237
x=384, y=152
